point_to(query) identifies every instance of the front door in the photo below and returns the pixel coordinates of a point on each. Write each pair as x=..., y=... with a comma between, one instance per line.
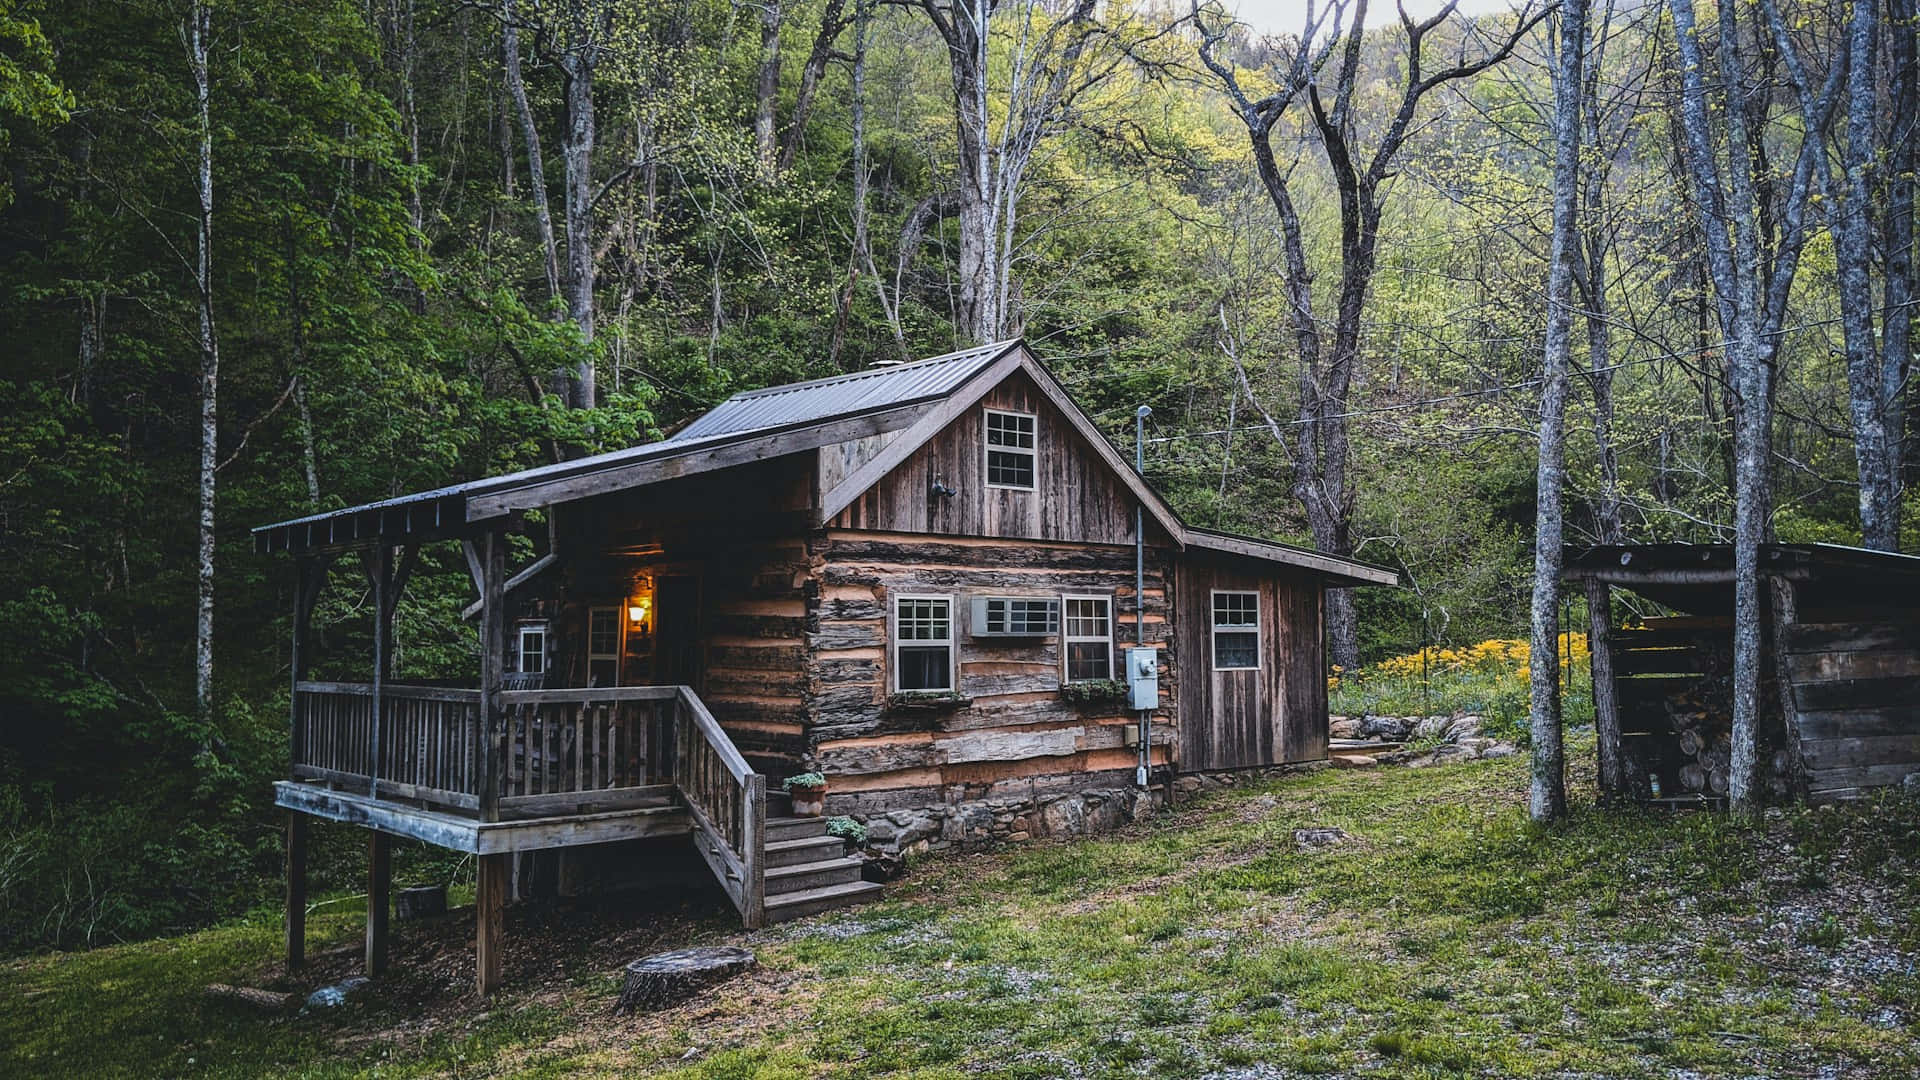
x=676, y=633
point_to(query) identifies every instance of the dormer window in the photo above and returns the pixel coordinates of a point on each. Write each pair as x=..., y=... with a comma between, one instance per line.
x=1010, y=449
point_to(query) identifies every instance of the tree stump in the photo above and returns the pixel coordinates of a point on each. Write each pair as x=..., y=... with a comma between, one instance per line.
x=668, y=978
x=420, y=902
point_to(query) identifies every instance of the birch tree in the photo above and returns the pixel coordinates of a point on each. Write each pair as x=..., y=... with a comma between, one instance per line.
x=1547, y=795
x=197, y=32
x=1752, y=279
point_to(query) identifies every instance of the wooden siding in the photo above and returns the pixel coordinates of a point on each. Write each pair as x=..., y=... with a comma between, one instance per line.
x=1015, y=735
x=1238, y=719
x=1075, y=497
x=1855, y=707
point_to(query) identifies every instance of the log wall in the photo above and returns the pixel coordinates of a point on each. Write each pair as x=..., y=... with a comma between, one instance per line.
x=1245, y=718
x=1015, y=735
x=1856, y=710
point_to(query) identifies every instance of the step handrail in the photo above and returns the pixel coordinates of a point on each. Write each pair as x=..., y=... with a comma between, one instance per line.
x=727, y=803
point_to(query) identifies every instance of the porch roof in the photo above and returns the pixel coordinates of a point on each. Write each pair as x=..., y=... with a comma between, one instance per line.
x=1699, y=578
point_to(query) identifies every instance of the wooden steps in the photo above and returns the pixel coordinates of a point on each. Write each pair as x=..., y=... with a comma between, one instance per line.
x=809, y=871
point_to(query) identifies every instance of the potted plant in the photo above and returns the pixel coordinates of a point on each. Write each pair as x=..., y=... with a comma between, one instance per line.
x=809, y=793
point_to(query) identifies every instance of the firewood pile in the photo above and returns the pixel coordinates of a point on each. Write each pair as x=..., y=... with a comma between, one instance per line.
x=1700, y=712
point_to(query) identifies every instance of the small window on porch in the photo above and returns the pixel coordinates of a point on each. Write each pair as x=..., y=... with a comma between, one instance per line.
x=923, y=643
x=533, y=648
x=603, y=646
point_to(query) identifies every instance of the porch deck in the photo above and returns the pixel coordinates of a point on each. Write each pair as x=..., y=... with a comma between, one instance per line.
x=555, y=769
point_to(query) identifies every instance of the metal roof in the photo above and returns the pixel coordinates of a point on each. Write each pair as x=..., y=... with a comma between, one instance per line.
x=875, y=388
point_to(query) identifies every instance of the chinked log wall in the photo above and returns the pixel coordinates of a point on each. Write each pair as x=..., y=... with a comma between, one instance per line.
x=1018, y=738
x=1857, y=712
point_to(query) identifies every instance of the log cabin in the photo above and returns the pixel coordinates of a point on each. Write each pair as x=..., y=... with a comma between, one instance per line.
x=1839, y=715
x=923, y=581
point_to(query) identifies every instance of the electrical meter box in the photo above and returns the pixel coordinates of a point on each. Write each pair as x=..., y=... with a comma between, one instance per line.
x=1143, y=677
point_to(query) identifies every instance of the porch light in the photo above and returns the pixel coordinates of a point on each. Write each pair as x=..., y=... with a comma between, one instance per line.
x=637, y=613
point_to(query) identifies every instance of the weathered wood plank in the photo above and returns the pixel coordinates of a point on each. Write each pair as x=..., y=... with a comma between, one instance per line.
x=1815, y=667
x=1861, y=723
x=1854, y=694
x=1827, y=754
x=1853, y=637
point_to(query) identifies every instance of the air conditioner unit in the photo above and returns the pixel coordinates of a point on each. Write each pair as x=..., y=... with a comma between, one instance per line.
x=1015, y=616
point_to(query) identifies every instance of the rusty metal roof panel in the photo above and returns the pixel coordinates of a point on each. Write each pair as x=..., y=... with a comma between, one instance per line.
x=843, y=395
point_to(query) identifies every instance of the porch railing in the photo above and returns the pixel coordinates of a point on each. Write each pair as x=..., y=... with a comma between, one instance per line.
x=555, y=752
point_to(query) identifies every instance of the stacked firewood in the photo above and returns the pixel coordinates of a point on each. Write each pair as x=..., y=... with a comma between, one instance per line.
x=1703, y=736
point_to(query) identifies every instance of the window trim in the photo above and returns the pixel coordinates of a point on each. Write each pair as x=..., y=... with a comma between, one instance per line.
x=893, y=644
x=987, y=449
x=1069, y=639
x=520, y=648
x=1215, y=629
x=618, y=654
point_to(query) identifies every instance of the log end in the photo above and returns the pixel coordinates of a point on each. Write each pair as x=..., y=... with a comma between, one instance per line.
x=668, y=978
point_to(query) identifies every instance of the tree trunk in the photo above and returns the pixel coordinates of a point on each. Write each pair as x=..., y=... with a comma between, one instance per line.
x=1853, y=258
x=199, y=29
x=1899, y=290
x=832, y=21
x=536, y=169
x=577, y=67
x=1547, y=797
x=768, y=94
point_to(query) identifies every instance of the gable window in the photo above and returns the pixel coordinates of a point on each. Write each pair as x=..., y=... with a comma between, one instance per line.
x=1236, y=631
x=923, y=643
x=1010, y=449
x=1089, y=637
x=603, y=646
x=533, y=648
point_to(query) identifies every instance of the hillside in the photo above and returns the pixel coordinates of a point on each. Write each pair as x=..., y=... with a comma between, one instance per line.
x=1443, y=935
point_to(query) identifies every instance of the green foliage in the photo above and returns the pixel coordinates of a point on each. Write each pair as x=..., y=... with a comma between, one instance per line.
x=1094, y=691
x=805, y=780
x=847, y=829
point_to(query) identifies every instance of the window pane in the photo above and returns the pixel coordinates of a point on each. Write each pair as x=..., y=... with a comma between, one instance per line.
x=1010, y=429
x=1236, y=649
x=1009, y=468
x=1087, y=618
x=924, y=620
x=603, y=632
x=924, y=668
x=533, y=652
x=602, y=673
x=1236, y=609
x=1089, y=660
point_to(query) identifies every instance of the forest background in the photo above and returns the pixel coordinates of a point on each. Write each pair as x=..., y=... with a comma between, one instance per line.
x=263, y=258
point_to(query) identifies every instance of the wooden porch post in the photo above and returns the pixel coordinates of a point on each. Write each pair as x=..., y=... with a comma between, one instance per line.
x=379, y=568
x=1606, y=701
x=296, y=889
x=379, y=886
x=488, y=902
x=493, y=645
x=1786, y=612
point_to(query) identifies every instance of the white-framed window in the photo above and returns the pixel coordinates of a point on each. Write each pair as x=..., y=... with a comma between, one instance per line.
x=603, y=646
x=922, y=643
x=1010, y=449
x=1236, y=630
x=533, y=648
x=1087, y=637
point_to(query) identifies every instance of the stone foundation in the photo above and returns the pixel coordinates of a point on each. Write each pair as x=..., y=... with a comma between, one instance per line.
x=983, y=823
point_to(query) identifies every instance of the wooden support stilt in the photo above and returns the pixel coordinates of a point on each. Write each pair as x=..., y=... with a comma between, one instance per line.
x=379, y=888
x=296, y=889
x=489, y=911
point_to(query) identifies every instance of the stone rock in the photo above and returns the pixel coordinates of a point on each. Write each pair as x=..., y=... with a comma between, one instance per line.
x=1500, y=750
x=1064, y=817
x=1475, y=743
x=881, y=832
x=1431, y=727
x=1910, y=784
x=1446, y=754
x=1387, y=728
x=1463, y=727
x=1420, y=761
x=1018, y=837
x=1187, y=785
x=331, y=997
x=1318, y=838
x=1343, y=727
x=1106, y=816
x=1352, y=761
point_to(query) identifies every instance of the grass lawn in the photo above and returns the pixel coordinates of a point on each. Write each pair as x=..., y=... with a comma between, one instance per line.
x=1443, y=937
